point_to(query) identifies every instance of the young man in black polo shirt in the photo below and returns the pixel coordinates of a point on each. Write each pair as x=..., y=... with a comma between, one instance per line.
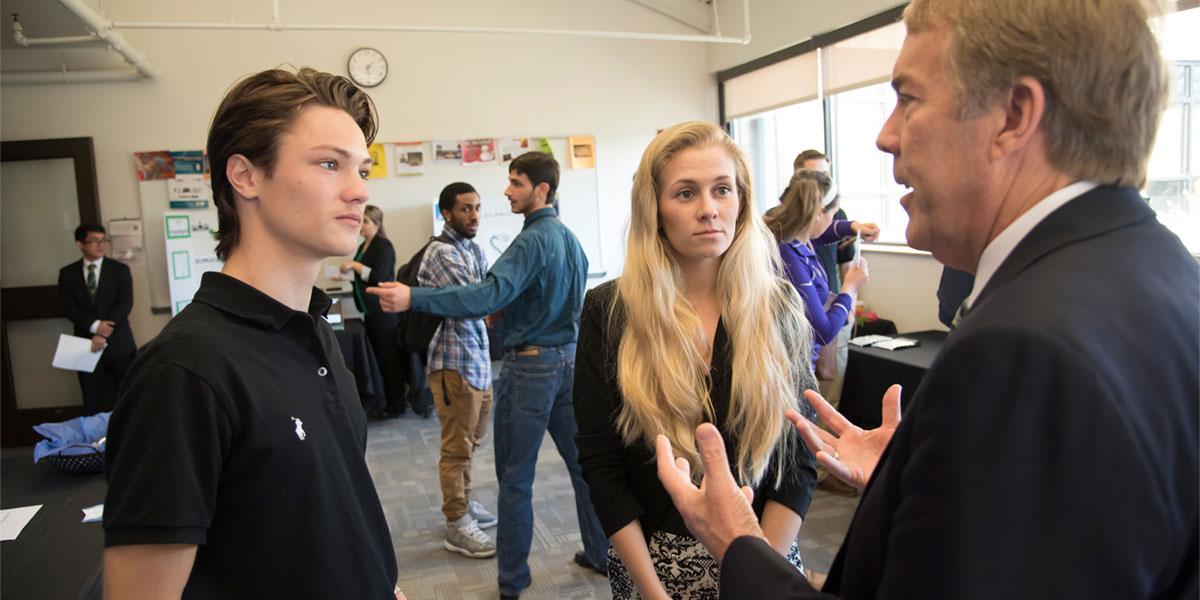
x=235, y=453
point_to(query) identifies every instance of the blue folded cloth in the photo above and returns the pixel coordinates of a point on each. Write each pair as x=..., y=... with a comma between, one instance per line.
x=79, y=436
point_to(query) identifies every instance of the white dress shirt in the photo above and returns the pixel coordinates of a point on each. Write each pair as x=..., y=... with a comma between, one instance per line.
x=999, y=249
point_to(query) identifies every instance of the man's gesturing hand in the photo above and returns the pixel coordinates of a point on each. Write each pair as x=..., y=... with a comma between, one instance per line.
x=849, y=453
x=718, y=511
x=393, y=296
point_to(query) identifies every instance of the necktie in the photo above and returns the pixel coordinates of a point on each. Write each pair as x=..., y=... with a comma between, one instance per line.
x=963, y=309
x=91, y=281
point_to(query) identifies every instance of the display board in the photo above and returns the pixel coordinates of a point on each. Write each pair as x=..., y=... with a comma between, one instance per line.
x=578, y=199
x=409, y=176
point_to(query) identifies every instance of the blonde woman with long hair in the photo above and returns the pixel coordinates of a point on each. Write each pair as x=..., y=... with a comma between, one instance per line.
x=701, y=327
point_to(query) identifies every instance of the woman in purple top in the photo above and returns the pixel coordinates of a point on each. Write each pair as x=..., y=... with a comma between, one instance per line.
x=804, y=219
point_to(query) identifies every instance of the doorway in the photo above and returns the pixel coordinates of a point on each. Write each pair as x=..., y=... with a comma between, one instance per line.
x=47, y=188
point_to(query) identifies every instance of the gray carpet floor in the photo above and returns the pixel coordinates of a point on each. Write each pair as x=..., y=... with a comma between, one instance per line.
x=402, y=455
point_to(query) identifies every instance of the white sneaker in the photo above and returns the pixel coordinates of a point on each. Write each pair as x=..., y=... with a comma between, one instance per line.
x=485, y=519
x=465, y=537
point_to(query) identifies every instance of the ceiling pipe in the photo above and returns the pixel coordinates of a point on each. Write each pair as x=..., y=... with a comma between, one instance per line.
x=20, y=39
x=630, y=35
x=104, y=30
x=65, y=76
x=275, y=24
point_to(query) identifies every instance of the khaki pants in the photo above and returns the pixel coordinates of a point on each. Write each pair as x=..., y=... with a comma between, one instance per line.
x=832, y=390
x=463, y=412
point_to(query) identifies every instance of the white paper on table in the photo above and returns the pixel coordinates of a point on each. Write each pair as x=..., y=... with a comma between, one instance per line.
x=863, y=341
x=897, y=343
x=93, y=514
x=13, y=520
x=75, y=354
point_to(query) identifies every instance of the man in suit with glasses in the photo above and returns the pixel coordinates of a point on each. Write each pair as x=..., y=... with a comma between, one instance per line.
x=96, y=294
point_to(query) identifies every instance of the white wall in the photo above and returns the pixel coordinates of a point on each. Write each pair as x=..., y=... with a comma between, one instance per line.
x=440, y=86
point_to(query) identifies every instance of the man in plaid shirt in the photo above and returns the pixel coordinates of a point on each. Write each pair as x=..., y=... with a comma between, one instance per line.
x=460, y=371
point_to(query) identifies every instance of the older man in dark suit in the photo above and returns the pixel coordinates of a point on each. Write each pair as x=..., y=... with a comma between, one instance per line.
x=96, y=294
x=1051, y=450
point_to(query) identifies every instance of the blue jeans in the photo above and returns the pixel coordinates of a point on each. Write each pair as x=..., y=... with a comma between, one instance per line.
x=533, y=396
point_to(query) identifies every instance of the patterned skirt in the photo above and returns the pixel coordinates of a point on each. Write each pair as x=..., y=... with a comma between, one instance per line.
x=685, y=568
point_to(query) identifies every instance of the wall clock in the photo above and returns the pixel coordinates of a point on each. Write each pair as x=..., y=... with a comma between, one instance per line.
x=367, y=67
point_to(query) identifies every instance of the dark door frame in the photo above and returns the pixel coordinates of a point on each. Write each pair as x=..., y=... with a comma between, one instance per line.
x=40, y=302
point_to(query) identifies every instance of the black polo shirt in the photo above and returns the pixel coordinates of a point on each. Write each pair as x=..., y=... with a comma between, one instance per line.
x=239, y=429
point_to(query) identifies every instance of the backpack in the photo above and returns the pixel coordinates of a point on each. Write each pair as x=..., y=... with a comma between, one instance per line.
x=416, y=329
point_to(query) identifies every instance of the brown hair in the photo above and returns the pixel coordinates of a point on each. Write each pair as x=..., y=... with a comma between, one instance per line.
x=375, y=214
x=540, y=168
x=1102, y=107
x=256, y=112
x=807, y=155
x=799, y=205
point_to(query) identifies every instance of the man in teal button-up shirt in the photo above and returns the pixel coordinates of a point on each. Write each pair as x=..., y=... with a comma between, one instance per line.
x=539, y=281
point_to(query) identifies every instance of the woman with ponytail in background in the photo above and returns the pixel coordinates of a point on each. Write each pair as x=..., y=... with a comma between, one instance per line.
x=700, y=327
x=375, y=262
x=804, y=219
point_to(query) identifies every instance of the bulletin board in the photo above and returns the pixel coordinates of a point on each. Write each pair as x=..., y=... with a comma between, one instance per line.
x=398, y=189
x=578, y=198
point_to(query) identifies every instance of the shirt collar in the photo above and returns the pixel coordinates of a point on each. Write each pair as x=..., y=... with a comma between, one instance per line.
x=802, y=247
x=238, y=298
x=549, y=211
x=1000, y=247
x=99, y=262
x=453, y=233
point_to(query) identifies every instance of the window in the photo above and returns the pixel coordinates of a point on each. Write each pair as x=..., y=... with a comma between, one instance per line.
x=772, y=140
x=1173, y=174
x=854, y=99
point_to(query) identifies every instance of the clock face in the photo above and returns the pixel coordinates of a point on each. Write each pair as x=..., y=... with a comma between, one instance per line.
x=367, y=67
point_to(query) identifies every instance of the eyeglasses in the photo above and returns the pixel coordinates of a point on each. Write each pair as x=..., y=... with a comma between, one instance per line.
x=95, y=242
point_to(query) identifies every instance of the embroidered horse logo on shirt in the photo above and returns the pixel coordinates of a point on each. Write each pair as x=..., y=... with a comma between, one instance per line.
x=300, y=429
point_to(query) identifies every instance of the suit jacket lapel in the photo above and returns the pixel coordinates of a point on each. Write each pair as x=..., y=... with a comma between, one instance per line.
x=1100, y=210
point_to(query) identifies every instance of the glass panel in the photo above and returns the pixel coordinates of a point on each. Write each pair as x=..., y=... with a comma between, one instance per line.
x=771, y=140
x=1166, y=159
x=1194, y=135
x=38, y=217
x=38, y=385
x=864, y=174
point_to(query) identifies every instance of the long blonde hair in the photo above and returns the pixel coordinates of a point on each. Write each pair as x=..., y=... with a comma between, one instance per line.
x=662, y=372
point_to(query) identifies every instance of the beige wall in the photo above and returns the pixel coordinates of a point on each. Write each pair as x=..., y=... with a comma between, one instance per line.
x=903, y=288
x=440, y=85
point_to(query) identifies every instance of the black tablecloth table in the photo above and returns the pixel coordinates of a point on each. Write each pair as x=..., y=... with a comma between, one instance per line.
x=56, y=557
x=871, y=371
x=360, y=359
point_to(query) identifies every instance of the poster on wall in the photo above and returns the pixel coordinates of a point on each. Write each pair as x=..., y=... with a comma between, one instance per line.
x=378, y=161
x=447, y=152
x=191, y=252
x=478, y=152
x=188, y=192
x=156, y=164
x=511, y=148
x=127, y=242
x=410, y=159
x=543, y=145
x=583, y=151
x=191, y=162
